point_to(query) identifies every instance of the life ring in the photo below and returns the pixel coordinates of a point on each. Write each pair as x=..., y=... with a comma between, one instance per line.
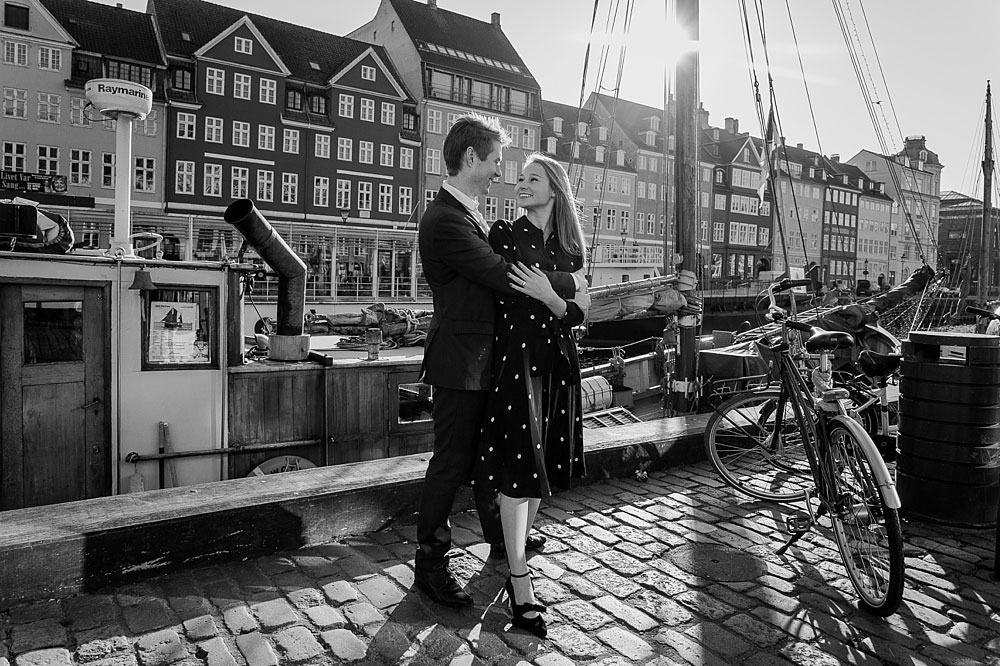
x=281, y=464
x=147, y=235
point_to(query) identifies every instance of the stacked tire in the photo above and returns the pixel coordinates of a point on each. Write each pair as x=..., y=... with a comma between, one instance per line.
x=948, y=446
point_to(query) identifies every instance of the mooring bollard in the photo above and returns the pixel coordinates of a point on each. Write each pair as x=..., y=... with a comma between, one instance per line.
x=373, y=338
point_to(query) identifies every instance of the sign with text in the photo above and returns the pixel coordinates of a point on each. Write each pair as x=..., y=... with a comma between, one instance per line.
x=22, y=181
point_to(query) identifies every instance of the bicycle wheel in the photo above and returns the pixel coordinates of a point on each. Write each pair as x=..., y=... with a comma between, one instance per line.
x=866, y=529
x=755, y=444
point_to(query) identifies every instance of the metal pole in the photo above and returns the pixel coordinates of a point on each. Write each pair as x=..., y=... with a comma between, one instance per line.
x=686, y=205
x=120, y=239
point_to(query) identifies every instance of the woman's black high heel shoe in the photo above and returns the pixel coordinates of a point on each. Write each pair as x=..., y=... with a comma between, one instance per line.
x=535, y=625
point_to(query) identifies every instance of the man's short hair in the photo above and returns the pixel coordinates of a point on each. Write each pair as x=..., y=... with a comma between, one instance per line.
x=472, y=129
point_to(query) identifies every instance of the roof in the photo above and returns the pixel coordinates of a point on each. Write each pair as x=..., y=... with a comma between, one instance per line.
x=433, y=25
x=569, y=113
x=629, y=116
x=297, y=46
x=107, y=30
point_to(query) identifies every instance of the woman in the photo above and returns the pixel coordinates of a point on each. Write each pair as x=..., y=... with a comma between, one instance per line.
x=533, y=435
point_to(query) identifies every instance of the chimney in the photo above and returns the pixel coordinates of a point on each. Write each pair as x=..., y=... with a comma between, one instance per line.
x=702, y=116
x=732, y=126
x=799, y=146
x=835, y=157
x=495, y=19
x=433, y=4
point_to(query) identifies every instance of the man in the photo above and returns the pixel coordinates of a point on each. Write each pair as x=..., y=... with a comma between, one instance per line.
x=463, y=273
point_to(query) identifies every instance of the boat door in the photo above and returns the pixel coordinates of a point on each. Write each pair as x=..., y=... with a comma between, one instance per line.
x=54, y=413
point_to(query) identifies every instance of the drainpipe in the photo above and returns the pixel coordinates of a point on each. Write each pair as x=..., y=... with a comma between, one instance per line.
x=288, y=343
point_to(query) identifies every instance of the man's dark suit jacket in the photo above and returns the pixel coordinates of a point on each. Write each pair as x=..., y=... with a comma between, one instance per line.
x=464, y=274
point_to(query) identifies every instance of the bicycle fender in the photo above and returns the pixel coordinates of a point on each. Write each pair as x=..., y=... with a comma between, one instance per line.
x=882, y=475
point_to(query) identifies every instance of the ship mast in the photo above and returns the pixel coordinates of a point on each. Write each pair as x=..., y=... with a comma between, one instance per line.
x=986, y=228
x=686, y=206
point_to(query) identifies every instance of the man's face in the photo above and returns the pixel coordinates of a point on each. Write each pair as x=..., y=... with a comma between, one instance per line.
x=485, y=171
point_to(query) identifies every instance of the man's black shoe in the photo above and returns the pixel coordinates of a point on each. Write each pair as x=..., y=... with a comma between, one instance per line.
x=533, y=542
x=440, y=585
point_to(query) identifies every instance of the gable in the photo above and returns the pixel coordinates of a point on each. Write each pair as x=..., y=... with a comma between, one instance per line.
x=42, y=25
x=351, y=76
x=254, y=51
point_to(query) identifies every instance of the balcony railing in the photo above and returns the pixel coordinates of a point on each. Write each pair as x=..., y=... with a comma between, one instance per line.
x=529, y=110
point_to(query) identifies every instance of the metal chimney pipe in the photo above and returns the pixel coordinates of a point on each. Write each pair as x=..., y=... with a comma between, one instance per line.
x=291, y=270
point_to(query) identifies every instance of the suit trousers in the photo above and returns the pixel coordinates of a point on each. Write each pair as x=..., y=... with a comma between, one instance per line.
x=458, y=416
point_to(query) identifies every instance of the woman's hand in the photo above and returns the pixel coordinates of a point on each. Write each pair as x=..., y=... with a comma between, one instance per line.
x=532, y=282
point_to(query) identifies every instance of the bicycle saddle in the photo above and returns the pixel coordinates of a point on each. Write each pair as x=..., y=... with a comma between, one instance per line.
x=874, y=364
x=823, y=340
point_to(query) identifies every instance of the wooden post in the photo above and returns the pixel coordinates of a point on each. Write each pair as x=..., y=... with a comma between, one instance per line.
x=686, y=206
x=986, y=228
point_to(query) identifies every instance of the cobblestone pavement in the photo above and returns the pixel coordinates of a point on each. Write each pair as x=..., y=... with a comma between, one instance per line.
x=674, y=570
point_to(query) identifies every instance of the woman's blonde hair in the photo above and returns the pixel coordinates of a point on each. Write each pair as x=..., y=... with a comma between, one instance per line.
x=565, y=211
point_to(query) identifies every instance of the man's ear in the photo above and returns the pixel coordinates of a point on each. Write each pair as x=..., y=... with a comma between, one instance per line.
x=470, y=156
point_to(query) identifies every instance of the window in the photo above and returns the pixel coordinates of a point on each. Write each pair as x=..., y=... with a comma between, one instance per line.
x=146, y=126
x=406, y=200
x=15, y=53
x=182, y=79
x=215, y=81
x=77, y=115
x=509, y=209
x=184, y=180
x=720, y=202
x=79, y=167
x=433, y=161
x=366, y=152
x=265, y=185
x=289, y=188
x=343, y=194
x=367, y=110
x=512, y=133
x=130, y=72
x=239, y=183
x=613, y=184
x=345, y=149
x=322, y=147
x=405, y=158
x=268, y=91
x=108, y=170
x=243, y=45
x=213, y=180
x=387, y=155
x=718, y=232
x=186, y=126
x=528, y=142
x=491, y=208
x=290, y=141
x=384, y=198
x=213, y=130
x=317, y=104
x=48, y=160
x=145, y=174
x=15, y=103
x=321, y=192
x=345, y=106
x=557, y=125
x=48, y=108
x=367, y=73
x=15, y=16
x=364, y=196
x=388, y=113
x=434, y=121
x=429, y=196
x=49, y=59
x=293, y=100
x=13, y=156
x=265, y=137
x=598, y=182
x=241, y=86
x=510, y=172
x=241, y=134
x=626, y=186
x=612, y=222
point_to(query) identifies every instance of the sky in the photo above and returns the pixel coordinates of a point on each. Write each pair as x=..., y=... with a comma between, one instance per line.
x=926, y=63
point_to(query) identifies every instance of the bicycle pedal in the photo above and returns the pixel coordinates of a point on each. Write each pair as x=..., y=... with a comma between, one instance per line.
x=798, y=522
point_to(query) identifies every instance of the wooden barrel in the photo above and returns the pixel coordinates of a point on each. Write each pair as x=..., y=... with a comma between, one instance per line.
x=948, y=462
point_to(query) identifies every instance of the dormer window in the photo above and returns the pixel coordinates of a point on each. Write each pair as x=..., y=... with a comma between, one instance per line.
x=602, y=133
x=243, y=45
x=599, y=154
x=317, y=104
x=550, y=145
x=367, y=73
x=182, y=79
x=923, y=155
x=649, y=137
x=581, y=130
x=293, y=100
x=654, y=123
x=557, y=125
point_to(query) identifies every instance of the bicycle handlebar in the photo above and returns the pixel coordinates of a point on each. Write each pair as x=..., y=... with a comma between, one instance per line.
x=982, y=312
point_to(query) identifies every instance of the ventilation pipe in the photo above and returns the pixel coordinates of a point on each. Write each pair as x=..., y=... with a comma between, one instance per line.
x=288, y=343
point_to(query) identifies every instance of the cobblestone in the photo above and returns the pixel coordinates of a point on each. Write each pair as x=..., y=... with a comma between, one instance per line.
x=607, y=573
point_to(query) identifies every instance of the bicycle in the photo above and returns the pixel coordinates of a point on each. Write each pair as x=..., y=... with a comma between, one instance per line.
x=798, y=441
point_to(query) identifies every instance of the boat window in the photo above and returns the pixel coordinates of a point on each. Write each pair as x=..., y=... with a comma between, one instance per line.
x=53, y=331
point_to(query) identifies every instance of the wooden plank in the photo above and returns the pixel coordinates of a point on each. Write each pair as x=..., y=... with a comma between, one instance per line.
x=11, y=362
x=99, y=452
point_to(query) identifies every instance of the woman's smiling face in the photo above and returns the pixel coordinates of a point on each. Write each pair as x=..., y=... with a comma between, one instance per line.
x=533, y=187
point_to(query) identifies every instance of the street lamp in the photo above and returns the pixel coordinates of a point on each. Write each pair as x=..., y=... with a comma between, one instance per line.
x=865, y=271
x=344, y=213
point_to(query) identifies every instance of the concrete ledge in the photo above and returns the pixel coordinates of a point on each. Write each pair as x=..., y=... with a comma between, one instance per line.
x=75, y=547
